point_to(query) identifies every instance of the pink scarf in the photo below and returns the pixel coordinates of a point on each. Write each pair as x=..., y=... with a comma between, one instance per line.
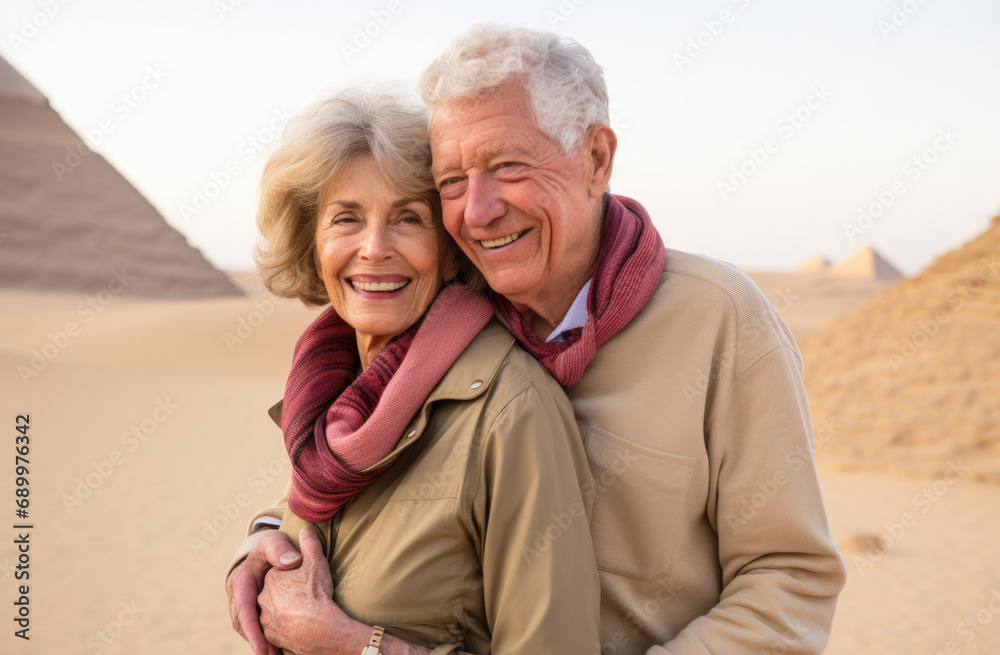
x=629, y=266
x=334, y=428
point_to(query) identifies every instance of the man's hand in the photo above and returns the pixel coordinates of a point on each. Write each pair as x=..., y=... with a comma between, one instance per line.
x=245, y=583
x=297, y=610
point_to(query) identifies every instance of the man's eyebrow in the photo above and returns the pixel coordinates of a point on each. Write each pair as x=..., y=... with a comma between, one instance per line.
x=495, y=152
x=439, y=170
x=505, y=150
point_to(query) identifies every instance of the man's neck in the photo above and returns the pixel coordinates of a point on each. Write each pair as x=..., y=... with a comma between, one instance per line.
x=546, y=311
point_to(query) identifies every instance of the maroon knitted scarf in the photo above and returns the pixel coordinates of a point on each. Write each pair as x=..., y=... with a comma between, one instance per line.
x=629, y=266
x=336, y=429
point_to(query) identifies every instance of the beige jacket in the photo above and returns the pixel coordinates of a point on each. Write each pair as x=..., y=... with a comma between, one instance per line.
x=477, y=534
x=709, y=525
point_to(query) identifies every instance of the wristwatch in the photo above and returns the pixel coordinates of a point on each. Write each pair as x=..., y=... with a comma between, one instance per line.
x=374, y=642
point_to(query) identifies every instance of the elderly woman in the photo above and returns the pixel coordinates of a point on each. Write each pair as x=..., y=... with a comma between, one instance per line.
x=419, y=433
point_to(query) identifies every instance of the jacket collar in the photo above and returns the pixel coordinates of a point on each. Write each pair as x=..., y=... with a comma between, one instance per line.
x=469, y=377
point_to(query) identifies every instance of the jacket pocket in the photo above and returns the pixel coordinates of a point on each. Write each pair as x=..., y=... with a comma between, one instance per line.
x=638, y=497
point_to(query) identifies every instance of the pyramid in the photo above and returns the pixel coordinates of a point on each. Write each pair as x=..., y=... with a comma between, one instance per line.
x=866, y=262
x=817, y=264
x=79, y=226
x=910, y=381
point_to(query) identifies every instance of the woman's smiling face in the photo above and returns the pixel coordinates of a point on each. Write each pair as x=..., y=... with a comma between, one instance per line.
x=382, y=256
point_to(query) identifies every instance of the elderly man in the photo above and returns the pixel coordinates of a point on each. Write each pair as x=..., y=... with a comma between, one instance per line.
x=708, y=522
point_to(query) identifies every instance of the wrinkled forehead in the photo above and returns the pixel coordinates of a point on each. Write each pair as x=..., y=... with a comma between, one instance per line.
x=509, y=104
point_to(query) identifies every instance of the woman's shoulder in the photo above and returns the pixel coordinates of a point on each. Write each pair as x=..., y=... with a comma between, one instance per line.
x=514, y=370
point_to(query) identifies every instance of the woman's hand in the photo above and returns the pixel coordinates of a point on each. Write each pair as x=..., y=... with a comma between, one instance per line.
x=297, y=610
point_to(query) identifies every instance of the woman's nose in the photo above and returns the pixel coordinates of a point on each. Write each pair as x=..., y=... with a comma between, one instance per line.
x=377, y=244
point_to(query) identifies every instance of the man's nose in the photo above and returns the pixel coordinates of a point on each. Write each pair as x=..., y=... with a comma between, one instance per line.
x=377, y=244
x=483, y=203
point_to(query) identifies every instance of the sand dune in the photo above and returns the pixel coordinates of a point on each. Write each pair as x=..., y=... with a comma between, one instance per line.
x=912, y=377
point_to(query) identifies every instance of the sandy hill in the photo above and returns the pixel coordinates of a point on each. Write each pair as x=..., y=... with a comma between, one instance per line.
x=70, y=222
x=809, y=301
x=910, y=380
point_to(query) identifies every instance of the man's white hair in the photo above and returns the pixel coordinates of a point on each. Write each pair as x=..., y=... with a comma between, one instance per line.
x=566, y=86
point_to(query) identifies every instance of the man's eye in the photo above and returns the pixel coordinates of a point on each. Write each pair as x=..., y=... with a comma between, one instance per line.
x=450, y=180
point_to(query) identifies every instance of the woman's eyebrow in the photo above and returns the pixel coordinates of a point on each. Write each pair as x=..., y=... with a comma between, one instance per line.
x=354, y=204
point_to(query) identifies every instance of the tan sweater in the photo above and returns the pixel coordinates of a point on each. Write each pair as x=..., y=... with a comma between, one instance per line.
x=709, y=526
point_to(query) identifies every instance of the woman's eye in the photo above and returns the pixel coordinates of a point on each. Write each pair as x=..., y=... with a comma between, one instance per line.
x=344, y=220
x=449, y=181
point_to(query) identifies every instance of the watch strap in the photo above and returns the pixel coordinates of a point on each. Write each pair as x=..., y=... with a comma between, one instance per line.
x=375, y=642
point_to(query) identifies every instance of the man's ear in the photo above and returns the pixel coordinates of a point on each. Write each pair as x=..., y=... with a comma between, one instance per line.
x=600, y=145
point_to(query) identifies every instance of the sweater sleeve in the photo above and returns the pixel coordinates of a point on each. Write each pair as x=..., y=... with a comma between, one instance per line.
x=542, y=593
x=275, y=512
x=780, y=568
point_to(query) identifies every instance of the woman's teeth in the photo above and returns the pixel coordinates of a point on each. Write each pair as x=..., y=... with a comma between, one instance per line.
x=502, y=241
x=379, y=286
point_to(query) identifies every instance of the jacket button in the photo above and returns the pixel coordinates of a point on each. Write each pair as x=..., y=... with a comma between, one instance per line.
x=476, y=384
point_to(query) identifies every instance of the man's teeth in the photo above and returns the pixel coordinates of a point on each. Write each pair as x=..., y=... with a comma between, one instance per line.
x=379, y=286
x=502, y=241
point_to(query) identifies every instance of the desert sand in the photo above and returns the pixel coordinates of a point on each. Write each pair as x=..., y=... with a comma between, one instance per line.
x=151, y=448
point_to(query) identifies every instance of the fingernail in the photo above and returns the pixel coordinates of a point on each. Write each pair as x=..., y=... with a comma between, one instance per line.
x=288, y=558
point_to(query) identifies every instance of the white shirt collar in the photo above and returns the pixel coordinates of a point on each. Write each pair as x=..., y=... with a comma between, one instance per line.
x=576, y=316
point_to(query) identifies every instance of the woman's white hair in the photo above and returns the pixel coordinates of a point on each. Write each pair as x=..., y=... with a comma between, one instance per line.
x=566, y=86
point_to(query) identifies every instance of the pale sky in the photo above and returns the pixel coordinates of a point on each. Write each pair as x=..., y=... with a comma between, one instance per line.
x=890, y=106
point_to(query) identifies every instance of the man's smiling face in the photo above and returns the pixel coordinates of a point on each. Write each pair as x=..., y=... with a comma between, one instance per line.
x=515, y=203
